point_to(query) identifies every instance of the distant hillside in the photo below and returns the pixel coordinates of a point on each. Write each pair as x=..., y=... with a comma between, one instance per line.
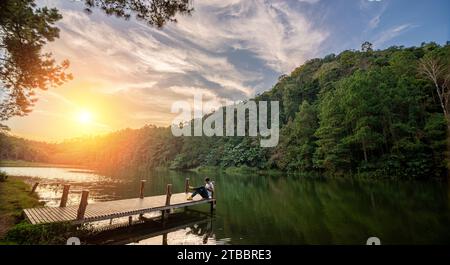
x=360, y=112
x=14, y=148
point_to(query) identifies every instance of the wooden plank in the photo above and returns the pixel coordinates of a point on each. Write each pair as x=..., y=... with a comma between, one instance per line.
x=41, y=218
x=49, y=213
x=26, y=215
x=62, y=214
x=36, y=215
x=29, y=216
x=112, y=209
x=54, y=217
x=45, y=217
x=92, y=212
x=69, y=213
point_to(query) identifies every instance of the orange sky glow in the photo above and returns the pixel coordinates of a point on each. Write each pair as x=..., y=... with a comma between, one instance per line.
x=128, y=74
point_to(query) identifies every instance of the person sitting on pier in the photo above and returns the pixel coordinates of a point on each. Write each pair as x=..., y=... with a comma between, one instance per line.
x=204, y=191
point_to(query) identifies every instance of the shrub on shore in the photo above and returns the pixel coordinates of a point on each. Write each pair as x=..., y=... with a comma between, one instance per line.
x=3, y=176
x=45, y=234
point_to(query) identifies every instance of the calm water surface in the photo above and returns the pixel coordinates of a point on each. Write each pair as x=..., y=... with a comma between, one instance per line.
x=255, y=209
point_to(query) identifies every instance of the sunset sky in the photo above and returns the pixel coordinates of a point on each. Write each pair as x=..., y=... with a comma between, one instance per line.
x=127, y=74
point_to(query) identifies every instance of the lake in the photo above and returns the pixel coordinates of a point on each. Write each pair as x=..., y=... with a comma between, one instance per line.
x=256, y=209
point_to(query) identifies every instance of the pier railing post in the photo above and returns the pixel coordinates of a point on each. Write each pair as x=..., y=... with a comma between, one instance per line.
x=186, y=189
x=186, y=185
x=64, y=196
x=141, y=192
x=83, y=205
x=164, y=239
x=34, y=187
x=168, y=195
x=141, y=195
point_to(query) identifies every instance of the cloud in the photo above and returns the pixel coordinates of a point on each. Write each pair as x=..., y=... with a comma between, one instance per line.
x=225, y=49
x=279, y=34
x=136, y=57
x=392, y=33
x=122, y=56
x=309, y=1
x=375, y=10
x=373, y=23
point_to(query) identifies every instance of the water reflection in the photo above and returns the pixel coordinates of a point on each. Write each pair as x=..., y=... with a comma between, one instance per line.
x=53, y=173
x=182, y=228
x=52, y=180
x=255, y=209
x=196, y=233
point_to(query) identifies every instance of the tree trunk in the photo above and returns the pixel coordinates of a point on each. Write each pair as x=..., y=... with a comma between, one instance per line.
x=364, y=150
x=448, y=139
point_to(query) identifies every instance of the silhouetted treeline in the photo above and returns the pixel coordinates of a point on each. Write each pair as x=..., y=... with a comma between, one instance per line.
x=147, y=147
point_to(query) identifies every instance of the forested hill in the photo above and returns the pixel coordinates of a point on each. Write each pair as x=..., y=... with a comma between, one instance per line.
x=375, y=113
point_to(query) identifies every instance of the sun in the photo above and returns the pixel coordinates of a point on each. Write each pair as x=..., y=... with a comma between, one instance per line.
x=84, y=117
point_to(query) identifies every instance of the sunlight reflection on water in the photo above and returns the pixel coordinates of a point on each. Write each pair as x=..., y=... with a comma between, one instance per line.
x=53, y=173
x=51, y=181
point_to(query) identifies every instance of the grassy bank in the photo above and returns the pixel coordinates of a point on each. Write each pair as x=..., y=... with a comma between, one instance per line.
x=14, y=196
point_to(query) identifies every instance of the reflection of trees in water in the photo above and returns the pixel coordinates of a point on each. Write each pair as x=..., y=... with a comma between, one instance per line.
x=294, y=210
x=156, y=184
x=253, y=209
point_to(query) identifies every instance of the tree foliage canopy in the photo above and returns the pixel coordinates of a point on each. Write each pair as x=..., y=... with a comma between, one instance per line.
x=154, y=12
x=24, y=30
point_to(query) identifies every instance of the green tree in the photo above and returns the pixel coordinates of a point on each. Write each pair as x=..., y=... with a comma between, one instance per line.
x=24, y=30
x=154, y=12
x=298, y=140
x=435, y=66
x=331, y=154
x=367, y=47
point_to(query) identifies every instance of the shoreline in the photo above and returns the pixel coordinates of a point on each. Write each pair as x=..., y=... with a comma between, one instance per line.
x=23, y=163
x=15, y=196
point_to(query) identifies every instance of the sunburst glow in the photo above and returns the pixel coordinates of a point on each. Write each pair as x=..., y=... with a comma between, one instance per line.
x=84, y=117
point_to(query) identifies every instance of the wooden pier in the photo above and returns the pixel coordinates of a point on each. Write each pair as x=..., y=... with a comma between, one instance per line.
x=85, y=213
